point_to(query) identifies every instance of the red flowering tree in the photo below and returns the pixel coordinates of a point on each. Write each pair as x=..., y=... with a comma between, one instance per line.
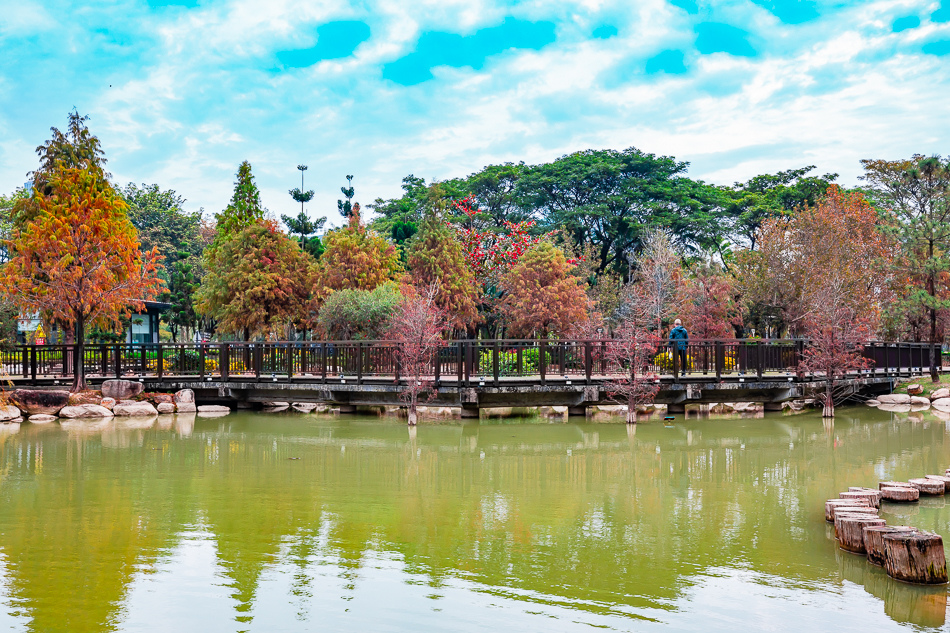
x=837, y=333
x=491, y=254
x=417, y=329
x=628, y=355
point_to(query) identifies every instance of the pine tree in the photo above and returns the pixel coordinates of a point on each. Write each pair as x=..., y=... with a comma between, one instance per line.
x=436, y=260
x=245, y=206
x=345, y=207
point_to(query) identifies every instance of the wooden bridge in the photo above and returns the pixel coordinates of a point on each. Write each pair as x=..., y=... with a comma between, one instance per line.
x=468, y=373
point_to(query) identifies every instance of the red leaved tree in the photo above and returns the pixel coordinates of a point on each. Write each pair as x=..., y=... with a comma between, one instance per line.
x=628, y=355
x=837, y=332
x=417, y=329
x=707, y=305
x=78, y=259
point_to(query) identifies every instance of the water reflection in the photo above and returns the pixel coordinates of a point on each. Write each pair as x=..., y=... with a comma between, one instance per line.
x=256, y=523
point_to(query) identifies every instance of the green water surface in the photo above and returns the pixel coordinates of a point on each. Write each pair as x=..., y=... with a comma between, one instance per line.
x=256, y=522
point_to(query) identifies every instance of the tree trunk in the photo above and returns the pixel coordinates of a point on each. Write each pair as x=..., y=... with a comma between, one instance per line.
x=829, y=409
x=413, y=410
x=874, y=540
x=79, y=368
x=631, y=410
x=851, y=532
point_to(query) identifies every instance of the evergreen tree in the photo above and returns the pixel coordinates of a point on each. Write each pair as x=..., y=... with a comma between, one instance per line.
x=245, y=206
x=181, y=296
x=345, y=207
x=436, y=260
x=355, y=258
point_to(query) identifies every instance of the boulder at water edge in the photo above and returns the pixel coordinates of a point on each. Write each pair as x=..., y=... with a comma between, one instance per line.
x=134, y=409
x=186, y=407
x=8, y=412
x=918, y=401
x=894, y=398
x=915, y=389
x=165, y=407
x=37, y=401
x=213, y=408
x=85, y=411
x=160, y=398
x=121, y=389
x=184, y=396
x=940, y=393
x=42, y=419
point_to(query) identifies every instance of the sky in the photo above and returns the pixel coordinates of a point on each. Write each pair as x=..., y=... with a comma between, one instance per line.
x=181, y=91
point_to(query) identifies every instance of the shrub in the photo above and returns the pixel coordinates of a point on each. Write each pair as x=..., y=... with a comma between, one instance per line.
x=359, y=314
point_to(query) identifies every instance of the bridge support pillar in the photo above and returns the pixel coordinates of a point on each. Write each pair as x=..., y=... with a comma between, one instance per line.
x=773, y=406
x=676, y=407
x=469, y=412
x=579, y=410
x=347, y=408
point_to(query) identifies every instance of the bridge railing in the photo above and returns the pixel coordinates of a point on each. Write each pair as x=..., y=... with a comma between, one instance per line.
x=467, y=361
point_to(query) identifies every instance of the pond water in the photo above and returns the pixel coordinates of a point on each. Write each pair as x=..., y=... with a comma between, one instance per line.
x=255, y=522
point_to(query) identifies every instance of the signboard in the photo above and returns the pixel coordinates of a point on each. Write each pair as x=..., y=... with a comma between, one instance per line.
x=39, y=335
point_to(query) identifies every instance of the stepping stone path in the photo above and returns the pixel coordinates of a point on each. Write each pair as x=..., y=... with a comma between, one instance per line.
x=906, y=553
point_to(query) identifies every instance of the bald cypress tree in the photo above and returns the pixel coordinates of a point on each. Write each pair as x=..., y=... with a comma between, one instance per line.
x=436, y=258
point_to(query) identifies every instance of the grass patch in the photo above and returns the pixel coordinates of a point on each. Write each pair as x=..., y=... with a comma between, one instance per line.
x=925, y=382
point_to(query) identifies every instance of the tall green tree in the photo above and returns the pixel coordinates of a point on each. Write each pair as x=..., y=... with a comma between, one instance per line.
x=611, y=199
x=916, y=202
x=245, y=207
x=746, y=205
x=181, y=295
x=162, y=222
x=345, y=206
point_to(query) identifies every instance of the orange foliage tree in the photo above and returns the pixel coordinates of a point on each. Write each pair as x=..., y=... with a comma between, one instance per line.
x=707, y=305
x=79, y=260
x=541, y=295
x=838, y=241
x=355, y=258
x=258, y=281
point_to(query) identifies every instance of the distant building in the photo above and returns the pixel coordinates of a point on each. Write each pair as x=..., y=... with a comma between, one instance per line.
x=144, y=327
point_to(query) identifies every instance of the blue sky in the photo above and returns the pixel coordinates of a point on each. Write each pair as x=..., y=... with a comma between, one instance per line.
x=181, y=92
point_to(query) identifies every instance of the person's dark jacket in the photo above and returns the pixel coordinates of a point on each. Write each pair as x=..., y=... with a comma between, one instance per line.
x=679, y=334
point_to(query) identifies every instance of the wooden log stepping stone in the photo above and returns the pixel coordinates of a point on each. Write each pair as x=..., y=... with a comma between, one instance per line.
x=831, y=503
x=943, y=478
x=850, y=530
x=928, y=486
x=841, y=516
x=874, y=540
x=873, y=496
x=918, y=558
x=901, y=493
x=852, y=510
x=893, y=484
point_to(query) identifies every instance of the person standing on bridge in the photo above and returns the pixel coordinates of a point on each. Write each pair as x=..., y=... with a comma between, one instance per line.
x=679, y=337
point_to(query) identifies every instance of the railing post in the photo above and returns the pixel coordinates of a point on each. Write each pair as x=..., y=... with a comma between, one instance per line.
x=201, y=359
x=290, y=362
x=25, y=361
x=588, y=361
x=542, y=358
x=675, y=351
x=460, y=361
x=494, y=361
x=103, y=360
x=33, y=364
x=758, y=359
x=720, y=360
x=323, y=362
x=159, y=362
x=359, y=363
x=438, y=365
x=467, y=356
x=258, y=360
x=224, y=361
x=935, y=353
